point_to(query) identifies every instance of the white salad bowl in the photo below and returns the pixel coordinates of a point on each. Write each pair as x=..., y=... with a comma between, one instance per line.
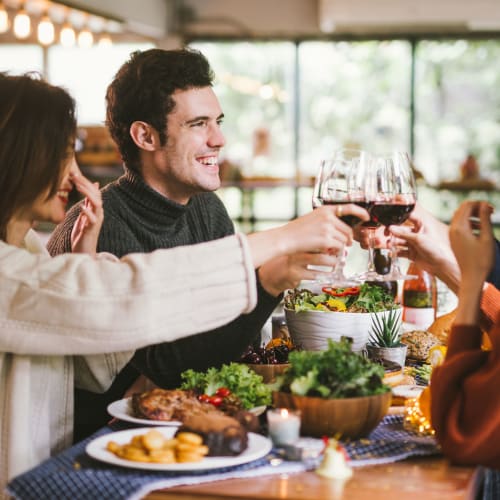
x=311, y=329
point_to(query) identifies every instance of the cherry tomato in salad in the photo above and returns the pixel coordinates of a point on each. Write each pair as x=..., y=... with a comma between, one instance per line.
x=223, y=392
x=204, y=398
x=215, y=400
x=341, y=292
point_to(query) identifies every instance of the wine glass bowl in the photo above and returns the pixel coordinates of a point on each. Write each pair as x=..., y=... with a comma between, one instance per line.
x=391, y=213
x=335, y=185
x=395, y=200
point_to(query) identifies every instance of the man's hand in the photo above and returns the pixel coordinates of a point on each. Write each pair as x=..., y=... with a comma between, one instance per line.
x=288, y=271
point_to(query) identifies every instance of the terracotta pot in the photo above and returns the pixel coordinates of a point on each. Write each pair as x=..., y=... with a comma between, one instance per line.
x=269, y=372
x=350, y=417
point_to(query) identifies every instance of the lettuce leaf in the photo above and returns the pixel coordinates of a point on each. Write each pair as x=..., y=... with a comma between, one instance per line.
x=238, y=378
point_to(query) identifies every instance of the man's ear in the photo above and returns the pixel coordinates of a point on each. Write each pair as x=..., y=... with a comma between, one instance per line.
x=144, y=135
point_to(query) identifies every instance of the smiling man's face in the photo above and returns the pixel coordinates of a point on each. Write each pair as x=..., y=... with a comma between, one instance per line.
x=189, y=162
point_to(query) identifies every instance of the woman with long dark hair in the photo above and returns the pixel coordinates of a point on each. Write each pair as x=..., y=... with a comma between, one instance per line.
x=59, y=315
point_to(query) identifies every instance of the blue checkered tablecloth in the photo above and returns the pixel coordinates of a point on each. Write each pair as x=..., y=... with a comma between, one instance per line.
x=491, y=488
x=73, y=475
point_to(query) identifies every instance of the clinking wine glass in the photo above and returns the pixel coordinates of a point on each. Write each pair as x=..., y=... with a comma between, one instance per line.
x=334, y=186
x=396, y=195
x=365, y=183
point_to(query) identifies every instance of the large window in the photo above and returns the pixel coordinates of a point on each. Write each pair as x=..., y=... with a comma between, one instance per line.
x=437, y=97
x=19, y=59
x=353, y=94
x=256, y=88
x=457, y=107
x=86, y=73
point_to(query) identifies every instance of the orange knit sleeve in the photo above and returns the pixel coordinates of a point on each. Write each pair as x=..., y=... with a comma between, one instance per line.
x=465, y=402
x=490, y=307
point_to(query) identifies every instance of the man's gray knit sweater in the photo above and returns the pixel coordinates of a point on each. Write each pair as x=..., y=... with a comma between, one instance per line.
x=139, y=219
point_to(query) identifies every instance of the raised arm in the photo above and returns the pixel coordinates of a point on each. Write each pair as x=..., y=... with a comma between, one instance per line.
x=465, y=410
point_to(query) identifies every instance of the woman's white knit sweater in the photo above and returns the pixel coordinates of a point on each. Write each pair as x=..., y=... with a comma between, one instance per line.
x=64, y=312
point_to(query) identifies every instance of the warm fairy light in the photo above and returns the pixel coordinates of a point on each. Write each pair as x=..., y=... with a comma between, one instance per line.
x=4, y=19
x=67, y=36
x=19, y=21
x=22, y=24
x=85, y=38
x=45, y=31
x=415, y=420
x=105, y=41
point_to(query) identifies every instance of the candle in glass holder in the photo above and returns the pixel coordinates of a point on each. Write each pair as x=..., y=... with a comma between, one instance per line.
x=283, y=425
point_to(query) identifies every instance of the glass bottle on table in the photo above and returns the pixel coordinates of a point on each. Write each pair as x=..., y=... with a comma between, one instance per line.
x=419, y=298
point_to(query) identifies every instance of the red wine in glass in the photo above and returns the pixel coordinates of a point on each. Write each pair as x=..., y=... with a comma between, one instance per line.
x=350, y=220
x=389, y=214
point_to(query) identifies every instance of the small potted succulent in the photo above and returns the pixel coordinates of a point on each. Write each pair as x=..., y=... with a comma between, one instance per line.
x=385, y=338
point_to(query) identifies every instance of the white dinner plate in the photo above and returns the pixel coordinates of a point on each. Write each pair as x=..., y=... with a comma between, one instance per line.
x=258, y=446
x=122, y=409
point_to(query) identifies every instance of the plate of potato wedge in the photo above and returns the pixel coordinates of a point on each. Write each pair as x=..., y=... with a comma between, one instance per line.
x=155, y=448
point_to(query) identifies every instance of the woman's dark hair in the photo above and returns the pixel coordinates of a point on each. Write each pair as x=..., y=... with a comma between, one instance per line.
x=37, y=129
x=142, y=91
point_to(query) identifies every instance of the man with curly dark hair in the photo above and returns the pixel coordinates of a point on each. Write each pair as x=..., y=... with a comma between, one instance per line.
x=166, y=120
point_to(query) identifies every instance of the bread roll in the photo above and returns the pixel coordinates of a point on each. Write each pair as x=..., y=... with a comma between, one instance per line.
x=419, y=343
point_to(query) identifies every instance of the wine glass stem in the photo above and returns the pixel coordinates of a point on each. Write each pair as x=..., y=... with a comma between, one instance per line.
x=371, y=260
x=340, y=264
x=395, y=270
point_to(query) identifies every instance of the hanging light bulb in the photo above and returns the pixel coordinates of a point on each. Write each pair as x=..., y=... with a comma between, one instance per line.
x=67, y=36
x=22, y=24
x=4, y=18
x=85, y=38
x=105, y=41
x=45, y=30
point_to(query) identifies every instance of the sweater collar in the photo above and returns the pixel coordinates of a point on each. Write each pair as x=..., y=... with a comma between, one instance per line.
x=144, y=197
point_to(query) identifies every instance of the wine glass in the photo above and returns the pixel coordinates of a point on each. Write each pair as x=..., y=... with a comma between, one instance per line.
x=395, y=200
x=334, y=186
x=365, y=184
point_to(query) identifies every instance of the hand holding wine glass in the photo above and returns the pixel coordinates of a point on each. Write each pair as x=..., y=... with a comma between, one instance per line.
x=396, y=195
x=334, y=186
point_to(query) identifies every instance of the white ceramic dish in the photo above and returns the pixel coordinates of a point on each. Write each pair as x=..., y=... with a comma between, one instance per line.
x=407, y=391
x=258, y=446
x=122, y=410
x=312, y=329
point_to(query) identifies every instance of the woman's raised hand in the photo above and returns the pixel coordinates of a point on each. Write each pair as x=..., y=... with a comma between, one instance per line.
x=473, y=246
x=88, y=225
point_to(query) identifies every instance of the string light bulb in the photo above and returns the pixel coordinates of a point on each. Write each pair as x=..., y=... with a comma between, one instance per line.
x=105, y=41
x=45, y=31
x=67, y=36
x=22, y=24
x=4, y=18
x=85, y=38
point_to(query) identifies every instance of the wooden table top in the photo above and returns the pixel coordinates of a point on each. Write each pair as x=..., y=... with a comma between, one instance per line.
x=417, y=478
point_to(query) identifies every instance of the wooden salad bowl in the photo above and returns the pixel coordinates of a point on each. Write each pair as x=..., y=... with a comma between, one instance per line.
x=349, y=418
x=269, y=372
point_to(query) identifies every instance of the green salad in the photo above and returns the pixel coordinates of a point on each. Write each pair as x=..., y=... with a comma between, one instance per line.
x=335, y=373
x=363, y=298
x=241, y=380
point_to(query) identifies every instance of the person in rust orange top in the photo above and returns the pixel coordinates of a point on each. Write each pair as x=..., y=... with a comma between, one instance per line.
x=465, y=404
